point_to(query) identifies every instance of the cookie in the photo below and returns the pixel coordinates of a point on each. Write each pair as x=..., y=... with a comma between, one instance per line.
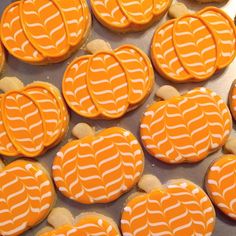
x=44, y=31
x=123, y=15
x=185, y=128
x=232, y=99
x=178, y=207
x=98, y=168
x=33, y=118
x=85, y=224
x=26, y=195
x=220, y=180
x=193, y=47
x=220, y=184
x=127, y=75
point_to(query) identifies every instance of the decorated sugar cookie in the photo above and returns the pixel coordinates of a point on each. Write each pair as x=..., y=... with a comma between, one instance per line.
x=178, y=207
x=98, y=168
x=221, y=181
x=124, y=15
x=232, y=99
x=63, y=224
x=26, y=196
x=194, y=46
x=185, y=128
x=108, y=83
x=44, y=31
x=33, y=118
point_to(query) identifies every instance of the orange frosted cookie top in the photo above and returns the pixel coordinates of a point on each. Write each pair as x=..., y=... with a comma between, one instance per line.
x=99, y=168
x=26, y=197
x=220, y=184
x=33, y=118
x=127, y=79
x=44, y=31
x=193, y=47
x=186, y=128
x=124, y=15
x=177, y=208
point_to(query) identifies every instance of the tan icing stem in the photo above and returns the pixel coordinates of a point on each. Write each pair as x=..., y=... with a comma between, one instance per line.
x=178, y=9
x=10, y=83
x=98, y=45
x=230, y=145
x=59, y=217
x=82, y=130
x=149, y=182
x=166, y=92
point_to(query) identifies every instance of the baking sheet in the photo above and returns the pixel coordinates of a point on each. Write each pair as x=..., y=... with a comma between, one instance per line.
x=220, y=83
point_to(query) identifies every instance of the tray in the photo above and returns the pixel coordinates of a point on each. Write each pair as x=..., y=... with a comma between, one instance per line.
x=220, y=83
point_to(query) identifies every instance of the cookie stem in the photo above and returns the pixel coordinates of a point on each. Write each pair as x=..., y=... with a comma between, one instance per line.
x=166, y=92
x=59, y=217
x=230, y=145
x=10, y=83
x=82, y=130
x=149, y=182
x=98, y=45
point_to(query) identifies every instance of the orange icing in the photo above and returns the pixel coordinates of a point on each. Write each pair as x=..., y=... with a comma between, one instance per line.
x=87, y=225
x=167, y=63
x=99, y=169
x=193, y=47
x=127, y=79
x=125, y=15
x=225, y=33
x=49, y=103
x=220, y=184
x=31, y=120
x=24, y=123
x=186, y=128
x=44, y=31
x=26, y=197
x=179, y=208
x=6, y=146
x=20, y=47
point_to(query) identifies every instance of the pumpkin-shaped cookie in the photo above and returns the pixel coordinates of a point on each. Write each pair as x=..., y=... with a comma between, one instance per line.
x=99, y=168
x=124, y=15
x=221, y=183
x=193, y=47
x=177, y=208
x=26, y=196
x=220, y=180
x=33, y=118
x=44, y=31
x=185, y=128
x=107, y=83
x=85, y=224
